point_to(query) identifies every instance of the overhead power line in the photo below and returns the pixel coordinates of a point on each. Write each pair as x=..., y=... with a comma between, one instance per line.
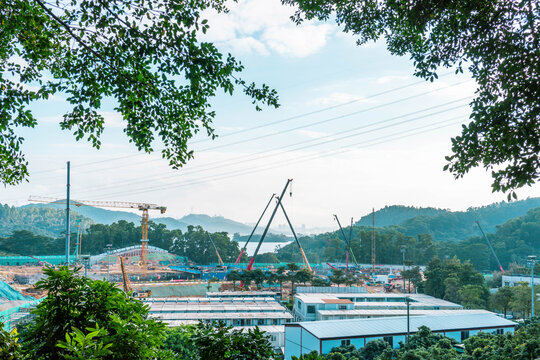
x=334, y=137
x=302, y=159
x=90, y=163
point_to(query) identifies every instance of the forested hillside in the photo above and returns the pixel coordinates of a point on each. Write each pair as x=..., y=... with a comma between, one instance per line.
x=445, y=225
x=108, y=217
x=194, y=243
x=38, y=220
x=513, y=242
x=396, y=214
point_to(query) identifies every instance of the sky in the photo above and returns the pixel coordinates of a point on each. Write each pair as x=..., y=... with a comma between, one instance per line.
x=355, y=131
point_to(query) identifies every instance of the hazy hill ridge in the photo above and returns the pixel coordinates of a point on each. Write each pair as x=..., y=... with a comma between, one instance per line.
x=449, y=225
x=49, y=219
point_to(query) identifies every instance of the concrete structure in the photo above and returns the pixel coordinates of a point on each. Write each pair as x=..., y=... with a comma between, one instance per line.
x=330, y=289
x=513, y=280
x=232, y=311
x=311, y=306
x=323, y=336
x=242, y=294
x=241, y=312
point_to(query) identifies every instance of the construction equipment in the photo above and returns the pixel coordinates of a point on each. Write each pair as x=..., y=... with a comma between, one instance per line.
x=333, y=267
x=348, y=243
x=144, y=207
x=491, y=247
x=295, y=237
x=215, y=248
x=250, y=264
x=127, y=285
x=253, y=231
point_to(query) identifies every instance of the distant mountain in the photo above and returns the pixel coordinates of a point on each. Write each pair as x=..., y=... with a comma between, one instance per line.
x=216, y=223
x=396, y=214
x=41, y=220
x=450, y=225
x=107, y=217
x=170, y=223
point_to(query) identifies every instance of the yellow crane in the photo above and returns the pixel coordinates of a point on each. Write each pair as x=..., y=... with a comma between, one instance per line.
x=127, y=285
x=144, y=207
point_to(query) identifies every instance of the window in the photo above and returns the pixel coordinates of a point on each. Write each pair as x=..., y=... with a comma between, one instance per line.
x=260, y=322
x=345, y=342
x=274, y=321
x=500, y=331
x=389, y=340
x=299, y=304
x=342, y=307
x=311, y=309
x=464, y=335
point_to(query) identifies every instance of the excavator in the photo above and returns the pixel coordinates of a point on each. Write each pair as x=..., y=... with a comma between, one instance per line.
x=140, y=294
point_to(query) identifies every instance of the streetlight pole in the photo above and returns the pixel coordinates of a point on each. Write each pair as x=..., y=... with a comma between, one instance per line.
x=108, y=259
x=531, y=262
x=403, y=251
x=408, y=321
x=86, y=262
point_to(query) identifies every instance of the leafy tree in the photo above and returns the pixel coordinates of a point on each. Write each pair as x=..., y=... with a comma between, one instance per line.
x=503, y=134
x=314, y=355
x=217, y=341
x=319, y=282
x=144, y=54
x=473, y=296
x=374, y=348
x=9, y=347
x=234, y=276
x=521, y=301
x=501, y=299
x=178, y=340
x=456, y=281
x=413, y=275
x=195, y=245
x=338, y=277
x=79, y=346
x=76, y=302
x=303, y=276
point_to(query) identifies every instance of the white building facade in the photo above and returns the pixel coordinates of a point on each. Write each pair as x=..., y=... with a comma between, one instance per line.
x=342, y=306
x=322, y=336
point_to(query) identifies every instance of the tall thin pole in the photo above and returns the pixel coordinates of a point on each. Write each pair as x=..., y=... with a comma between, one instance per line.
x=373, y=241
x=67, y=217
x=108, y=259
x=408, y=321
x=532, y=289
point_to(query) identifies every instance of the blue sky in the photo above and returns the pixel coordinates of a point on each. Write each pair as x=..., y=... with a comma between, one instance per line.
x=383, y=141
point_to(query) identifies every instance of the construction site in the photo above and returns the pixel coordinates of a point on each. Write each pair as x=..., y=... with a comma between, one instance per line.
x=154, y=275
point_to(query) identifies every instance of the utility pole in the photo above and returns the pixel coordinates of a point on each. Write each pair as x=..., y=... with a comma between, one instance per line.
x=373, y=240
x=67, y=217
x=408, y=321
x=108, y=259
x=531, y=262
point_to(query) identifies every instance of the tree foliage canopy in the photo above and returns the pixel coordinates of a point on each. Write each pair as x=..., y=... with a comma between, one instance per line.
x=145, y=54
x=499, y=43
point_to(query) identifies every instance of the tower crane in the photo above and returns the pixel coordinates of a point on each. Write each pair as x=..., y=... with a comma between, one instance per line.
x=144, y=207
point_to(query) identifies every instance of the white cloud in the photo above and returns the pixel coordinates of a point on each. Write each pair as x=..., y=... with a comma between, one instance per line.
x=295, y=41
x=263, y=27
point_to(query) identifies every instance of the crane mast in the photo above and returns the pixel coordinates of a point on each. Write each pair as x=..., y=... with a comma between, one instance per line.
x=490, y=247
x=144, y=207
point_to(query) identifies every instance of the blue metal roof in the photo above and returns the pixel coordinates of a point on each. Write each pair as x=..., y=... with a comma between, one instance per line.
x=398, y=325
